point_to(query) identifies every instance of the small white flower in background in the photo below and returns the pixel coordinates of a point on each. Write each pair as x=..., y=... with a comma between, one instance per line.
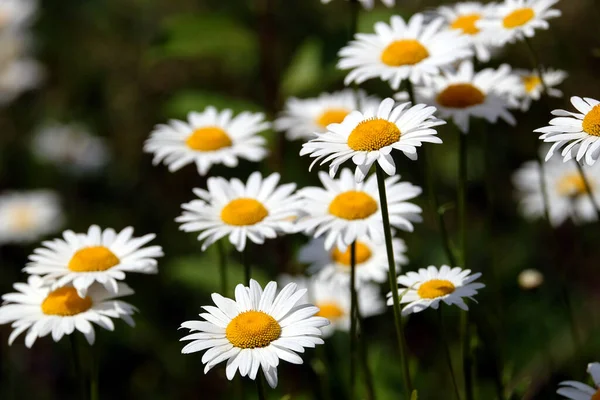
x=368, y=4
x=257, y=210
x=27, y=216
x=516, y=19
x=102, y=256
x=40, y=310
x=565, y=188
x=18, y=76
x=402, y=50
x=530, y=279
x=531, y=86
x=302, y=118
x=464, y=93
x=574, y=390
x=371, y=260
x=369, y=137
x=207, y=138
x=428, y=287
x=578, y=132
x=16, y=14
x=344, y=210
x=255, y=330
x=71, y=146
x=333, y=300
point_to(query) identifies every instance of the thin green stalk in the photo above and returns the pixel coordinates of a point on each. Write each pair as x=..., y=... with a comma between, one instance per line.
x=246, y=262
x=467, y=356
x=94, y=389
x=447, y=351
x=411, y=91
x=222, y=267
x=77, y=364
x=353, y=317
x=364, y=354
x=321, y=368
x=393, y=280
x=260, y=387
x=354, y=11
x=588, y=188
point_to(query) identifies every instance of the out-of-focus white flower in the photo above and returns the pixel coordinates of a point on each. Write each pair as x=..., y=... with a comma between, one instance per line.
x=17, y=76
x=16, y=14
x=531, y=85
x=530, y=279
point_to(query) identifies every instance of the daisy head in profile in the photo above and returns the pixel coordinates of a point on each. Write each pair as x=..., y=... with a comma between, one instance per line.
x=39, y=310
x=207, y=138
x=369, y=137
x=414, y=50
x=574, y=390
x=344, y=211
x=430, y=286
x=576, y=133
x=256, y=210
x=102, y=256
x=255, y=330
x=531, y=87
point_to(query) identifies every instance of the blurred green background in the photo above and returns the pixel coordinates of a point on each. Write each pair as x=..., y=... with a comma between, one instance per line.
x=122, y=66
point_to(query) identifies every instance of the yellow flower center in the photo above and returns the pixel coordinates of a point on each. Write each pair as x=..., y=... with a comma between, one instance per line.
x=531, y=82
x=330, y=311
x=460, y=95
x=243, y=211
x=436, y=288
x=332, y=116
x=571, y=185
x=353, y=205
x=209, y=138
x=65, y=302
x=466, y=23
x=596, y=396
x=91, y=259
x=22, y=218
x=252, y=329
x=373, y=134
x=404, y=52
x=363, y=253
x=518, y=18
x=591, y=122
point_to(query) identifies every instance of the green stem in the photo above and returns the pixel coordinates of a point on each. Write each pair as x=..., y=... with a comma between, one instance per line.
x=393, y=280
x=353, y=318
x=222, y=266
x=467, y=357
x=94, y=390
x=77, y=364
x=588, y=188
x=354, y=11
x=462, y=196
x=260, y=387
x=321, y=368
x=246, y=263
x=364, y=354
x=447, y=351
x=411, y=91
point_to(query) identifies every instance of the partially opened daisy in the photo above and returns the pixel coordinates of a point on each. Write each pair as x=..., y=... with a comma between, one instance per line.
x=565, y=190
x=345, y=211
x=427, y=287
x=580, y=391
x=257, y=210
x=27, y=216
x=102, y=256
x=371, y=260
x=302, y=118
x=208, y=138
x=516, y=19
x=40, y=310
x=576, y=133
x=371, y=136
x=255, y=330
x=368, y=4
x=531, y=85
x=464, y=93
x=415, y=50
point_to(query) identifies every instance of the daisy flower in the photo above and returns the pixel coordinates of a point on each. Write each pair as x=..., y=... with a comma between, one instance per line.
x=302, y=118
x=18, y=76
x=464, y=93
x=368, y=4
x=415, y=50
x=578, y=132
x=580, y=391
x=99, y=256
x=41, y=310
x=565, y=189
x=16, y=14
x=427, y=287
x=516, y=19
x=27, y=216
x=370, y=137
x=371, y=260
x=257, y=210
x=255, y=330
x=345, y=211
x=209, y=138
x=531, y=86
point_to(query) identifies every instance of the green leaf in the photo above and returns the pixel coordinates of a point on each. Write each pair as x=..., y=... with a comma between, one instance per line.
x=305, y=70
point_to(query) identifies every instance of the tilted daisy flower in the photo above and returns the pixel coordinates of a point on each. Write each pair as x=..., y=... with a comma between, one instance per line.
x=256, y=330
x=302, y=118
x=574, y=390
x=516, y=19
x=464, y=93
x=102, y=256
x=370, y=137
x=27, y=216
x=368, y=4
x=334, y=264
x=565, y=190
x=208, y=138
x=257, y=210
x=531, y=86
x=16, y=14
x=40, y=310
x=345, y=211
x=427, y=287
x=415, y=50
x=578, y=133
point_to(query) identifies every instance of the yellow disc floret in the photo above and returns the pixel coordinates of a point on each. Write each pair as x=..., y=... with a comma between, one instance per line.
x=596, y=396
x=531, y=82
x=518, y=18
x=373, y=134
x=591, y=122
x=244, y=211
x=363, y=254
x=252, y=329
x=332, y=116
x=466, y=23
x=460, y=95
x=65, y=302
x=93, y=259
x=404, y=52
x=329, y=310
x=571, y=185
x=353, y=205
x=436, y=288
x=209, y=138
